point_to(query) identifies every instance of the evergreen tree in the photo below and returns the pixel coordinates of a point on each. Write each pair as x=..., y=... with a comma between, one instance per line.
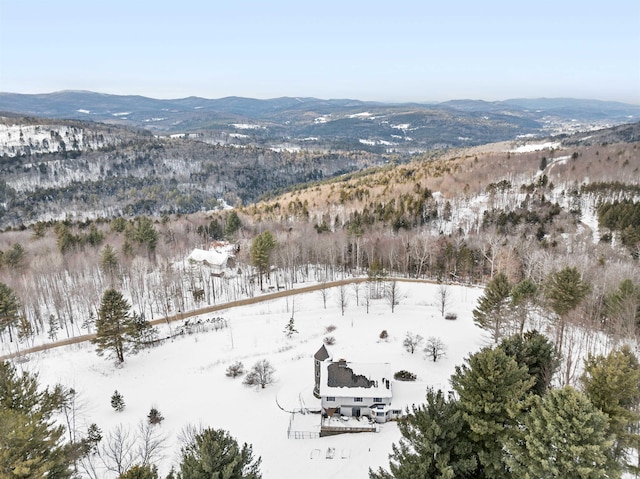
x=146, y=234
x=9, y=309
x=261, y=249
x=141, y=331
x=15, y=256
x=146, y=471
x=95, y=236
x=622, y=306
x=563, y=436
x=92, y=439
x=522, y=297
x=434, y=444
x=492, y=388
x=117, y=401
x=493, y=306
x=213, y=453
x=612, y=383
x=31, y=445
x=114, y=325
x=109, y=262
x=290, y=328
x=154, y=416
x=565, y=290
x=232, y=226
x=538, y=354
x=118, y=225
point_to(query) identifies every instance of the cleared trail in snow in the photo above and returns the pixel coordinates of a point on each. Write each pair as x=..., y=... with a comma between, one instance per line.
x=216, y=307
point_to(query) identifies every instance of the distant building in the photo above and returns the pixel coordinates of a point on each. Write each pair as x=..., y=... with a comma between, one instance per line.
x=220, y=257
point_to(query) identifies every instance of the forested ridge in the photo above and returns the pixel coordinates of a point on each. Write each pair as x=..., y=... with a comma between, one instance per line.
x=91, y=170
x=551, y=235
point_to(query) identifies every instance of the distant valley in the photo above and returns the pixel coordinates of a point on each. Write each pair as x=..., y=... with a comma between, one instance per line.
x=338, y=124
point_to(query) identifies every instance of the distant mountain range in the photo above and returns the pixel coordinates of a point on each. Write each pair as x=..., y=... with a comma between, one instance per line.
x=330, y=124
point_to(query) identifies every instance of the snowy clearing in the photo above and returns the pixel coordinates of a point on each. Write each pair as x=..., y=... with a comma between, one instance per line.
x=185, y=378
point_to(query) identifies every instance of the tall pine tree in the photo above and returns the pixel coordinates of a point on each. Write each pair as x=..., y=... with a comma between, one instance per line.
x=565, y=290
x=492, y=388
x=9, y=309
x=434, y=443
x=563, y=436
x=261, y=249
x=31, y=445
x=612, y=383
x=213, y=453
x=493, y=306
x=115, y=326
x=538, y=354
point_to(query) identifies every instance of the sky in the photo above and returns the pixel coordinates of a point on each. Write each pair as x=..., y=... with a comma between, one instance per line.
x=405, y=50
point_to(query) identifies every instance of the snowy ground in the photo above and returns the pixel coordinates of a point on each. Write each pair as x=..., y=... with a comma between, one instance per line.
x=185, y=379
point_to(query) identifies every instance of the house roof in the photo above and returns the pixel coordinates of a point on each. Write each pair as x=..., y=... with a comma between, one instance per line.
x=355, y=379
x=217, y=257
x=322, y=354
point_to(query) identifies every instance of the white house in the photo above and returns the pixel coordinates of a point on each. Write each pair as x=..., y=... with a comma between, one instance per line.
x=219, y=257
x=354, y=389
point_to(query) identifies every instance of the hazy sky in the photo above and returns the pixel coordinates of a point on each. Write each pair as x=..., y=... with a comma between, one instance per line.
x=400, y=50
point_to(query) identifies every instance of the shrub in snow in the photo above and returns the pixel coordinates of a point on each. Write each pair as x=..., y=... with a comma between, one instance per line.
x=451, y=316
x=154, y=416
x=261, y=374
x=384, y=334
x=235, y=370
x=403, y=375
x=329, y=340
x=331, y=328
x=117, y=401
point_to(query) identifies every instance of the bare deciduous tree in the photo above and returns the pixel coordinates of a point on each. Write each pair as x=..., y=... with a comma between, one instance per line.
x=435, y=348
x=356, y=292
x=343, y=298
x=261, y=374
x=392, y=294
x=151, y=443
x=412, y=342
x=443, y=297
x=118, y=450
x=324, y=292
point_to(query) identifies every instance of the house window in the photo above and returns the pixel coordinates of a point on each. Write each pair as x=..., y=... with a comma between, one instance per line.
x=331, y=399
x=377, y=399
x=357, y=399
x=380, y=414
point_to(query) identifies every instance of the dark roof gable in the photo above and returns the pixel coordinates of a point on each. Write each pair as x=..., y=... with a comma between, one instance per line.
x=321, y=354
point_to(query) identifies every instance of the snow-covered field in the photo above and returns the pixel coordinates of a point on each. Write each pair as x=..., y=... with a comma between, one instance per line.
x=185, y=378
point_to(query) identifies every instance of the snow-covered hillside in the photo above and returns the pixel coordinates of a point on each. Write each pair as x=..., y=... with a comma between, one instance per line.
x=185, y=378
x=22, y=139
